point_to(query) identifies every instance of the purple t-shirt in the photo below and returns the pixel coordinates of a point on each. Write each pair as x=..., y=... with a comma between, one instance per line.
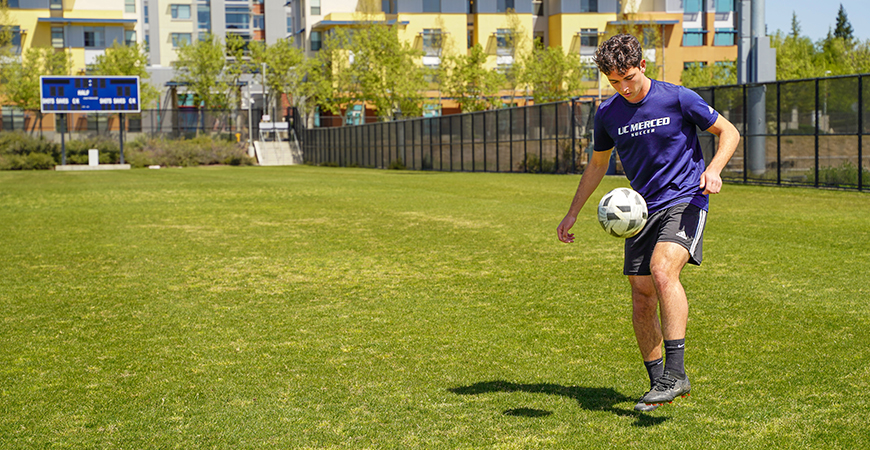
x=657, y=142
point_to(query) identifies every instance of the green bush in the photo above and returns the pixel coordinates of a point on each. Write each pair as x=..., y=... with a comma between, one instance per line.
x=16, y=148
x=198, y=151
x=534, y=164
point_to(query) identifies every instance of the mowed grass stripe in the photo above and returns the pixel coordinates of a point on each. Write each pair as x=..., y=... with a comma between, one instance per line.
x=307, y=307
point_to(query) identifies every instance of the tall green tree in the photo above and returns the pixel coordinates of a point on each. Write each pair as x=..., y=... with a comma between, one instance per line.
x=796, y=55
x=328, y=78
x=284, y=69
x=129, y=60
x=21, y=86
x=200, y=65
x=843, y=29
x=469, y=82
x=553, y=75
x=719, y=74
x=385, y=73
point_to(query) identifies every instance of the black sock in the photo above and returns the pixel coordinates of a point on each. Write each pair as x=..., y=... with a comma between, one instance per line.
x=674, y=351
x=654, y=369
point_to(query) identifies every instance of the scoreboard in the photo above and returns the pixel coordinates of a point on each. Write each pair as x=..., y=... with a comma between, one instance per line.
x=95, y=94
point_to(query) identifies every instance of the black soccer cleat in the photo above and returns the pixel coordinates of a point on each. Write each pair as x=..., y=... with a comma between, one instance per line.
x=666, y=388
x=643, y=407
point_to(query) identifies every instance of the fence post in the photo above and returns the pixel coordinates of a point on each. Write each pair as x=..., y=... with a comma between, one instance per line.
x=573, y=133
x=778, y=134
x=816, y=182
x=860, y=132
x=511, y=140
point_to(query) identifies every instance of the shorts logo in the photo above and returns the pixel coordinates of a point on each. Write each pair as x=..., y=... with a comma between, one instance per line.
x=682, y=234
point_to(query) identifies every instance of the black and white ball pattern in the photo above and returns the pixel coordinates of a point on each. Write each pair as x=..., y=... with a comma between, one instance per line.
x=622, y=212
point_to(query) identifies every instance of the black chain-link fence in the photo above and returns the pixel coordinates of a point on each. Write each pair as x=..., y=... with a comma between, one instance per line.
x=548, y=138
x=802, y=132
x=165, y=123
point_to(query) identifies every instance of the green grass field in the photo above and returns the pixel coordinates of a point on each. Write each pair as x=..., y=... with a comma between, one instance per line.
x=307, y=307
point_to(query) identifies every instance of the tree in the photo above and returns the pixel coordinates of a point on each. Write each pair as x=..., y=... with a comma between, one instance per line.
x=284, y=62
x=21, y=86
x=129, y=60
x=385, y=72
x=553, y=75
x=843, y=29
x=328, y=74
x=471, y=84
x=718, y=74
x=796, y=56
x=200, y=66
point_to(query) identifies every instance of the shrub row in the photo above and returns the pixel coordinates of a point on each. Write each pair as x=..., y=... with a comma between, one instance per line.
x=21, y=151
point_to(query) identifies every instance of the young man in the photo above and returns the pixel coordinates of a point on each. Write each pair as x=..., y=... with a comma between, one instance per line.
x=653, y=124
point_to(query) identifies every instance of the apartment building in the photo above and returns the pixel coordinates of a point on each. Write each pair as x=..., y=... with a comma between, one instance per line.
x=676, y=33
x=81, y=28
x=169, y=24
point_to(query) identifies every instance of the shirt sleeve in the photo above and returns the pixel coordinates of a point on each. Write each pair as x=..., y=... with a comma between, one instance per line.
x=696, y=110
x=603, y=140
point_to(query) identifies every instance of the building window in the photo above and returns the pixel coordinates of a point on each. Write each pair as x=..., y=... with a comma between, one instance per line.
x=432, y=40
x=203, y=17
x=504, y=42
x=388, y=6
x=693, y=37
x=55, y=4
x=724, y=6
x=147, y=43
x=130, y=6
x=315, y=7
x=15, y=43
x=180, y=39
x=538, y=8
x=724, y=37
x=692, y=6
x=431, y=6
x=145, y=12
x=289, y=25
x=690, y=64
x=504, y=5
x=95, y=37
x=180, y=12
x=316, y=41
x=588, y=41
x=238, y=18
x=57, y=40
x=472, y=7
x=129, y=37
x=13, y=117
x=588, y=6
x=539, y=40
x=259, y=21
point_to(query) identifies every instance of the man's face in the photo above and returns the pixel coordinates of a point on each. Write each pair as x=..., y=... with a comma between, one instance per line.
x=631, y=84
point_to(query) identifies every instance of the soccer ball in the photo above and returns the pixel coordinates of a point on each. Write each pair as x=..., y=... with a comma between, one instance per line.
x=622, y=212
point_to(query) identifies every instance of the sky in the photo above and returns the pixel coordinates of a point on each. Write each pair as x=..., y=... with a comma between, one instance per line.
x=817, y=16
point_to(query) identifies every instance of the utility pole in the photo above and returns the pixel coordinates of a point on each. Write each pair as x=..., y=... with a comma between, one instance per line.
x=756, y=63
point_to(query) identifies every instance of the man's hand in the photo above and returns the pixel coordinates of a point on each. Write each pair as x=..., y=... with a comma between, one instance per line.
x=711, y=182
x=562, y=229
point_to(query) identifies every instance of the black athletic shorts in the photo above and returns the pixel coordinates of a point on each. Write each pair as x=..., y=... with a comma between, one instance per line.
x=683, y=224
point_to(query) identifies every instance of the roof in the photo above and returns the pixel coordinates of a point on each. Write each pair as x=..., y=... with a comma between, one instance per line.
x=83, y=21
x=644, y=22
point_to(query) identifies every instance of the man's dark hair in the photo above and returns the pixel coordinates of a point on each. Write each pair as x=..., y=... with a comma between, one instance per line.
x=619, y=53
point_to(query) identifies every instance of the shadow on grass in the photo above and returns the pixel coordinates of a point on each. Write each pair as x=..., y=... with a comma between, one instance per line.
x=592, y=399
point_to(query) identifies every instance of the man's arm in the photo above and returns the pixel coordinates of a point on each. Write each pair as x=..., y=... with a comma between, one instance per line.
x=729, y=137
x=588, y=182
